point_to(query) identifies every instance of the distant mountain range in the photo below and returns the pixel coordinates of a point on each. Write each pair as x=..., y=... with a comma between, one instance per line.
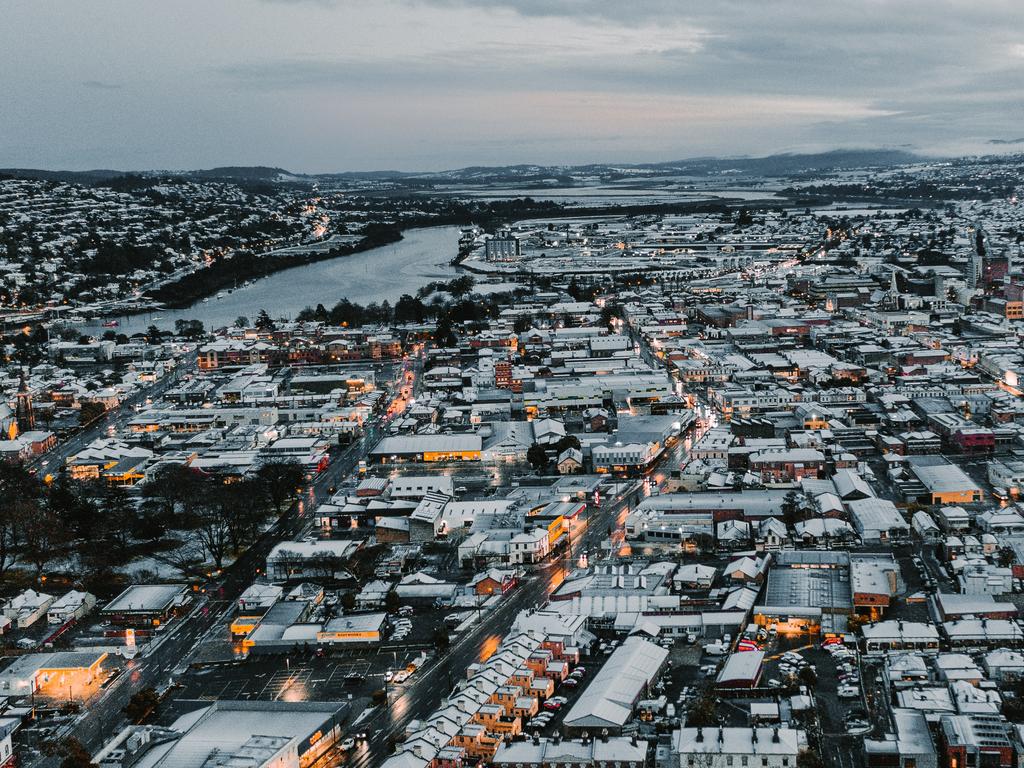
x=772, y=165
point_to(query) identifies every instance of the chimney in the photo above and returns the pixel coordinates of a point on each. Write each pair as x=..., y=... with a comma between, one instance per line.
x=775, y=735
x=721, y=735
x=604, y=735
x=700, y=734
x=632, y=740
x=753, y=735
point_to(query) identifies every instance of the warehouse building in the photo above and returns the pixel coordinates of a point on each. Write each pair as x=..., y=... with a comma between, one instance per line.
x=741, y=670
x=145, y=605
x=944, y=483
x=427, y=448
x=255, y=734
x=609, y=700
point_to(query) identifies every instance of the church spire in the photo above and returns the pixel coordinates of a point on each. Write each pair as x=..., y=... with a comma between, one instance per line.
x=25, y=417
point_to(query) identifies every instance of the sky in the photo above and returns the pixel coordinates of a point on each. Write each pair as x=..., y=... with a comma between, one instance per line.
x=336, y=85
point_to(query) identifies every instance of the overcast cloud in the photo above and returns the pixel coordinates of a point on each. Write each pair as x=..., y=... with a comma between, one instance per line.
x=322, y=85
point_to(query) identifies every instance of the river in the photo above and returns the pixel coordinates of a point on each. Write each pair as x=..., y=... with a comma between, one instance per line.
x=381, y=273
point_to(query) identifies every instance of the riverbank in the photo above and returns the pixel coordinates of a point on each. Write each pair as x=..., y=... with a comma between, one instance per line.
x=229, y=273
x=379, y=274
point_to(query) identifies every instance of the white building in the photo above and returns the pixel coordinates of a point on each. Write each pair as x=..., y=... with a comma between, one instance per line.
x=736, y=747
x=73, y=605
x=27, y=608
x=615, y=690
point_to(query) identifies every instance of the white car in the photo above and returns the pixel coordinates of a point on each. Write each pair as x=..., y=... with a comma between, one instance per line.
x=848, y=692
x=347, y=744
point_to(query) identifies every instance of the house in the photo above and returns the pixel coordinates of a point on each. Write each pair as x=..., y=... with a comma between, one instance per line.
x=772, y=535
x=530, y=546
x=820, y=530
x=26, y=609
x=878, y=520
x=73, y=605
x=694, y=576
x=898, y=635
x=1004, y=665
x=925, y=527
x=741, y=670
x=748, y=568
x=570, y=461
x=493, y=582
x=732, y=534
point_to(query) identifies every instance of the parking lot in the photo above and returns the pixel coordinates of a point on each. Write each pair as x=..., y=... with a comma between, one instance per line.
x=341, y=675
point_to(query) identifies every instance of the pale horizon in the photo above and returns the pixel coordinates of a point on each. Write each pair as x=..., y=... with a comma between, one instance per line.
x=324, y=86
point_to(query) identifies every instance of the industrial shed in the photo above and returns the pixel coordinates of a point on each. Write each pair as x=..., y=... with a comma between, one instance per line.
x=608, y=701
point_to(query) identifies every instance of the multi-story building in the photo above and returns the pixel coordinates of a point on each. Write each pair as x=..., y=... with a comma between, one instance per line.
x=736, y=747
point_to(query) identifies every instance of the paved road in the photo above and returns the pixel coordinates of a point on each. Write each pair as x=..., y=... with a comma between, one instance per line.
x=427, y=687
x=413, y=700
x=117, y=418
x=97, y=724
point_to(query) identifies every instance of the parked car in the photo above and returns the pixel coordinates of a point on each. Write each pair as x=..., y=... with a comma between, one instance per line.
x=346, y=744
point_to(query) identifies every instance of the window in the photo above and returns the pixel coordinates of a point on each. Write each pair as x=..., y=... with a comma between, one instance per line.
x=764, y=762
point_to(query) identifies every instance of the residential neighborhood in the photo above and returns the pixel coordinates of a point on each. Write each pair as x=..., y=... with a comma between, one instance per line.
x=731, y=487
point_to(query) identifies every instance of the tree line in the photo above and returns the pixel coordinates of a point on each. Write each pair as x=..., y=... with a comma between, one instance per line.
x=95, y=527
